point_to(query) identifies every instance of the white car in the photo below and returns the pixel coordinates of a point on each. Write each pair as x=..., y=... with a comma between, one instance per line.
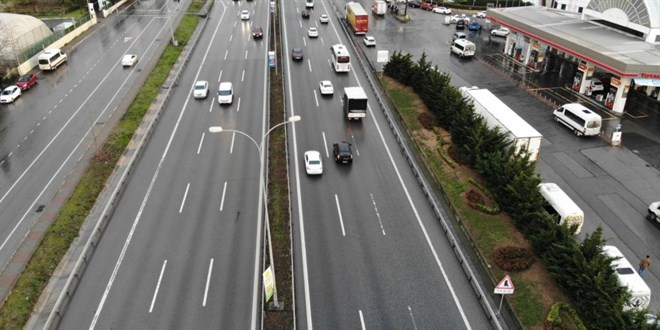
x=369, y=41
x=245, y=15
x=458, y=17
x=442, y=10
x=324, y=19
x=313, y=164
x=312, y=32
x=500, y=32
x=10, y=94
x=481, y=14
x=326, y=87
x=129, y=60
x=201, y=90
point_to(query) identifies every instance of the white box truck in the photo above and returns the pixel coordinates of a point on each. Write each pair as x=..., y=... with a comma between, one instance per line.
x=640, y=293
x=379, y=8
x=498, y=114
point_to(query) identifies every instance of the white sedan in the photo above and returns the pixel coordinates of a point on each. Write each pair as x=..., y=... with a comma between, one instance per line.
x=312, y=32
x=129, y=60
x=441, y=10
x=324, y=19
x=501, y=32
x=313, y=164
x=369, y=41
x=201, y=90
x=326, y=87
x=245, y=15
x=481, y=14
x=10, y=94
x=458, y=17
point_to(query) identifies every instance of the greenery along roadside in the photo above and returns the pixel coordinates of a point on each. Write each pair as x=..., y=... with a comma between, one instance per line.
x=16, y=310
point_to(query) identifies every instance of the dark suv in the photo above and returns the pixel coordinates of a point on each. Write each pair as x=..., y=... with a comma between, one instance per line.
x=460, y=24
x=297, y=54
x=342, y=152
x=257, y=32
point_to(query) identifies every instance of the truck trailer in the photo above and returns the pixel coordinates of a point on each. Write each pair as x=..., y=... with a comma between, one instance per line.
x=498, y=114
x=357, y=17
x=379, y=7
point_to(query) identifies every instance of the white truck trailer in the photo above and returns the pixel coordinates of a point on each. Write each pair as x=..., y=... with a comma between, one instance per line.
x=379, y=8
x=498, y=114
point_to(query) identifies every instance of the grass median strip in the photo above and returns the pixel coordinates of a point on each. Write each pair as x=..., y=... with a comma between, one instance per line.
x=16, y=310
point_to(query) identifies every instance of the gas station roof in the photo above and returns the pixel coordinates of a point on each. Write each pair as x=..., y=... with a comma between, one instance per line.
x=616, y=51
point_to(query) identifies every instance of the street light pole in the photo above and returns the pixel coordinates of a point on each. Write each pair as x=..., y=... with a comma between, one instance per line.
x=262, y=188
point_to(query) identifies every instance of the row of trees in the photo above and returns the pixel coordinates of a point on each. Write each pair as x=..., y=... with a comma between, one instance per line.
x=580, y=268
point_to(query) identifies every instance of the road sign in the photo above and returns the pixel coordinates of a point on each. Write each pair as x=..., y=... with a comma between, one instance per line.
x=268, y=283
x=505, y=286
x=383, y=56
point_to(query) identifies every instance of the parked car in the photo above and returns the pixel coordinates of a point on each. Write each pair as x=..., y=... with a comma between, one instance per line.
x=369, y=41
x=654, y=212
x=500, y=32
x=481, y=14
x=414, y=4
x=596, y=85
x=297, y=54
x=460, y=24
x=458, y=17
x=129, y=60
x=305, y=13
x=458, y=35
x=257, y=32
x=10, y=94
x=201, y=90
x=426, y=6
x=26, y=81
x=442, y=10
x=342, y=152
x=324, y=19
x=313, y=163
x=312, y=32
x=474, y=26
x=326, y=87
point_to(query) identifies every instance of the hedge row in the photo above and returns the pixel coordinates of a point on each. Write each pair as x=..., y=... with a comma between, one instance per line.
x=580, y=268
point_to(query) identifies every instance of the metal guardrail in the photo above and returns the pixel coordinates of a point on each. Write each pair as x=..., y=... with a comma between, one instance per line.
x=140, y=142
x=421, y=180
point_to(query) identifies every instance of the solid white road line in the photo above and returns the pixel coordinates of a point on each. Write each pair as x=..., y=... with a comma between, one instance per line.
x=316, y=98
x=412, y=318
x=185, y=195
x=208, y=281
x=325, y=145
x=200, y=143
x=362, y=320
x=160, y=278
x=341, y=220
x=231, y=146
x=222, y=200
x=373, y=201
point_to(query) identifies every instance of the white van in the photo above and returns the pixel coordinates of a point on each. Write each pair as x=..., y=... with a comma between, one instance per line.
x=463, y=47
x=628, y=277
x=309, y=3
x=50, y=59
x=562, y=206
x=225, y=93
x=578, y=118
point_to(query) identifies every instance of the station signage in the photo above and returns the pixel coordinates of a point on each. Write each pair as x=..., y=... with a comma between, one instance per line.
x=651, y=75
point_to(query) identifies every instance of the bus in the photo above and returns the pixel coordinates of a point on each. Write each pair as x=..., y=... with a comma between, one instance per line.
x=341, y=60
x=355, y=103
x=561, y=206
x=357, y=17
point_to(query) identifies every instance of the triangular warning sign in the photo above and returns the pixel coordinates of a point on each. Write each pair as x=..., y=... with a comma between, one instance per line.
x=505, y=286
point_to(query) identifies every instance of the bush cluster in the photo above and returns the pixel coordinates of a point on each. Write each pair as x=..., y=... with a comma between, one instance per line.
x=579, y=268
x=513, y=258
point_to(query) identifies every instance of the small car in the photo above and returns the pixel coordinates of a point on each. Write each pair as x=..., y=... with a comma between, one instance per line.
x=481, y=14
x=342, y=152
x=26, y=81
x=458, y=17
x=460, y=24
x=369, y=41
x=257, y=32
x=10, y=94
x=324, y=19
x=596, y=85
x=313, y=163
x=474, y=26
x=326, y=87
x=442, y=10
x=500, y=32
x=312, y=32
x=305, y=13
x=297, y=54
x=426, y=6
x=201, y=89
x=245, y=15
x=414, y=4
x=458, y=35
x=129, y=60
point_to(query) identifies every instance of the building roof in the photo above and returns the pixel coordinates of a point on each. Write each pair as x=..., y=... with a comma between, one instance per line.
x=616, y=51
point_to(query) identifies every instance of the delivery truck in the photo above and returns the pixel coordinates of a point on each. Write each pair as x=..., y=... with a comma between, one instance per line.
x=355, y=103
x=498, y=114
x=379, y=8
x=357, y=17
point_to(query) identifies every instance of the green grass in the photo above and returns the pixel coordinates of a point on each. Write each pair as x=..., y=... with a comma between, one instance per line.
x=404, y=103
x=17, y=308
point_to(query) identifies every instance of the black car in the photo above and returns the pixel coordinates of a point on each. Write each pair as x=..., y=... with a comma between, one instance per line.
x=305, y=13
x=342, y=152
x=414, y=3
x=297, y=54
x=460, y=24
x=257, y=32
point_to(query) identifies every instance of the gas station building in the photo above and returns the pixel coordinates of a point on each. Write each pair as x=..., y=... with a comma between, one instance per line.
x=615, y=44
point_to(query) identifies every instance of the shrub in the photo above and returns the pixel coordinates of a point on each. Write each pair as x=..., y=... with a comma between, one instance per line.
x=426, y=120
x=513, y=258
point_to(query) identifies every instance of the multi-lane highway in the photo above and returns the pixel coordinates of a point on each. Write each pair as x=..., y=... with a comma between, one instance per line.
x=46, y=131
